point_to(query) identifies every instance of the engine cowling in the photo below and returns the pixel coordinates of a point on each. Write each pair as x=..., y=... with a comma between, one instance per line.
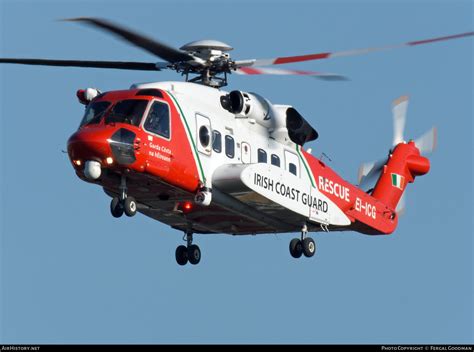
x=248, y=105
x=283, y=122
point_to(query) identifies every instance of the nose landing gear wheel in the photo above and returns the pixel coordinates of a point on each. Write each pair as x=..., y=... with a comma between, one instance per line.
x=116, y=207
x=296, y=248
x=130, y=206
x=182, y=255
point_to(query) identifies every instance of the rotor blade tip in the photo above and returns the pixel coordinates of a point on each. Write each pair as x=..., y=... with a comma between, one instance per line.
x=400, y=100
x=80, y=19
x=331, y=78
x=72, y=19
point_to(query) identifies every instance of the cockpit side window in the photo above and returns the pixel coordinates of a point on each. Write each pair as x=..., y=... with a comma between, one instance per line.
x=158, y=120
x=94, y=113
x=127, y=111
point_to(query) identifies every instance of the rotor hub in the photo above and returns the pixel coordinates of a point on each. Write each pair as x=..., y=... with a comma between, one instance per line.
x=215, y=62
x=209, y=44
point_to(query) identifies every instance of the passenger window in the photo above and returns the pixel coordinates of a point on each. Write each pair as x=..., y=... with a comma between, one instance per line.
x=158, y=120
x=204, y=136
x=229, y=146
x=216, y=141
x=292, y=169
x=262, y=156
x=292, y=163
x=275, y=160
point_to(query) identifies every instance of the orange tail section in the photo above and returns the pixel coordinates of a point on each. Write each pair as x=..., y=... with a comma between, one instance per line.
x=404, y=164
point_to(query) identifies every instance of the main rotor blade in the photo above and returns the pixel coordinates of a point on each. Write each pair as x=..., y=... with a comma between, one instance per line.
x=161, y=50
x=354, y=52
x=121, y=65
x=275, y=71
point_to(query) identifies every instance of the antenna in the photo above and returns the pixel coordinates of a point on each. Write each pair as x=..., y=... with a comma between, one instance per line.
x=324, y=155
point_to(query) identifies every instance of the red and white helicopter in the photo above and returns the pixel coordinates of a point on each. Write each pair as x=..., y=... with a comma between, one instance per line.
x=207, y=161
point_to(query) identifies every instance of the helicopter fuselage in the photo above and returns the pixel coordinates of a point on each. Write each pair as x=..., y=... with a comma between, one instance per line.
x=197, y=161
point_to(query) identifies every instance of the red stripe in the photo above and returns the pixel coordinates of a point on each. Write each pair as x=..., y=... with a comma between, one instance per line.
x=285, y=60
x=310, y=73
x=418, y=42
x=250, y=71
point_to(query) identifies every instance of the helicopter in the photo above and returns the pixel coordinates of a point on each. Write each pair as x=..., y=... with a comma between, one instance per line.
x=207, y=161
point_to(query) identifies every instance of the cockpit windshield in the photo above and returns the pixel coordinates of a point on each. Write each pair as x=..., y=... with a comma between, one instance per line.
x=94, y=112
x=127, y=111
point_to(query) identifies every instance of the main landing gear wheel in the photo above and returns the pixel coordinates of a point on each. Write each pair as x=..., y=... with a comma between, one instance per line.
x=296, y=248
x=194, y=254
x=190, y=253
x=305, y=245
x=309, y=247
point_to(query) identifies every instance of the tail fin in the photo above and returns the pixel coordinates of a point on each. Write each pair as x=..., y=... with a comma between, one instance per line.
x=404, y=164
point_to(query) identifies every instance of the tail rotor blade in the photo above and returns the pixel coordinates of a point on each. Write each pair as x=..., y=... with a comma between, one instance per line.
x=369, y=173
x=364, y=169
x=399, y=110
x=400, y=209
x=426, y=143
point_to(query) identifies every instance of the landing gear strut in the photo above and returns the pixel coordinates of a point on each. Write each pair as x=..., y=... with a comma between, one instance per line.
x=190, y=252
x=305, y=245
x=123, y=203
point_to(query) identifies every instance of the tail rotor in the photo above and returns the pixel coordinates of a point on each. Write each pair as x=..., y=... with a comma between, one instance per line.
x=370, y=172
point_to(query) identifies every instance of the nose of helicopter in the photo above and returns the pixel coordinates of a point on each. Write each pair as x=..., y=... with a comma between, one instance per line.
x=88, y=144
x=89, y=148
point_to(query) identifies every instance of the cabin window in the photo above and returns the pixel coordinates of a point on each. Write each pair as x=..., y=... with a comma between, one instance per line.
x=204, y=136
x=216, y=141
x=262, y=156
x=229, y=146
x=292, y=169
x=158, y=120
x=128, y=111
x=94, y=112
x=275, y=160
x=292, y=163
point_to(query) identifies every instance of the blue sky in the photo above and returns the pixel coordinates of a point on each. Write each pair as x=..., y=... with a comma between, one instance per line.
x=70, y=273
